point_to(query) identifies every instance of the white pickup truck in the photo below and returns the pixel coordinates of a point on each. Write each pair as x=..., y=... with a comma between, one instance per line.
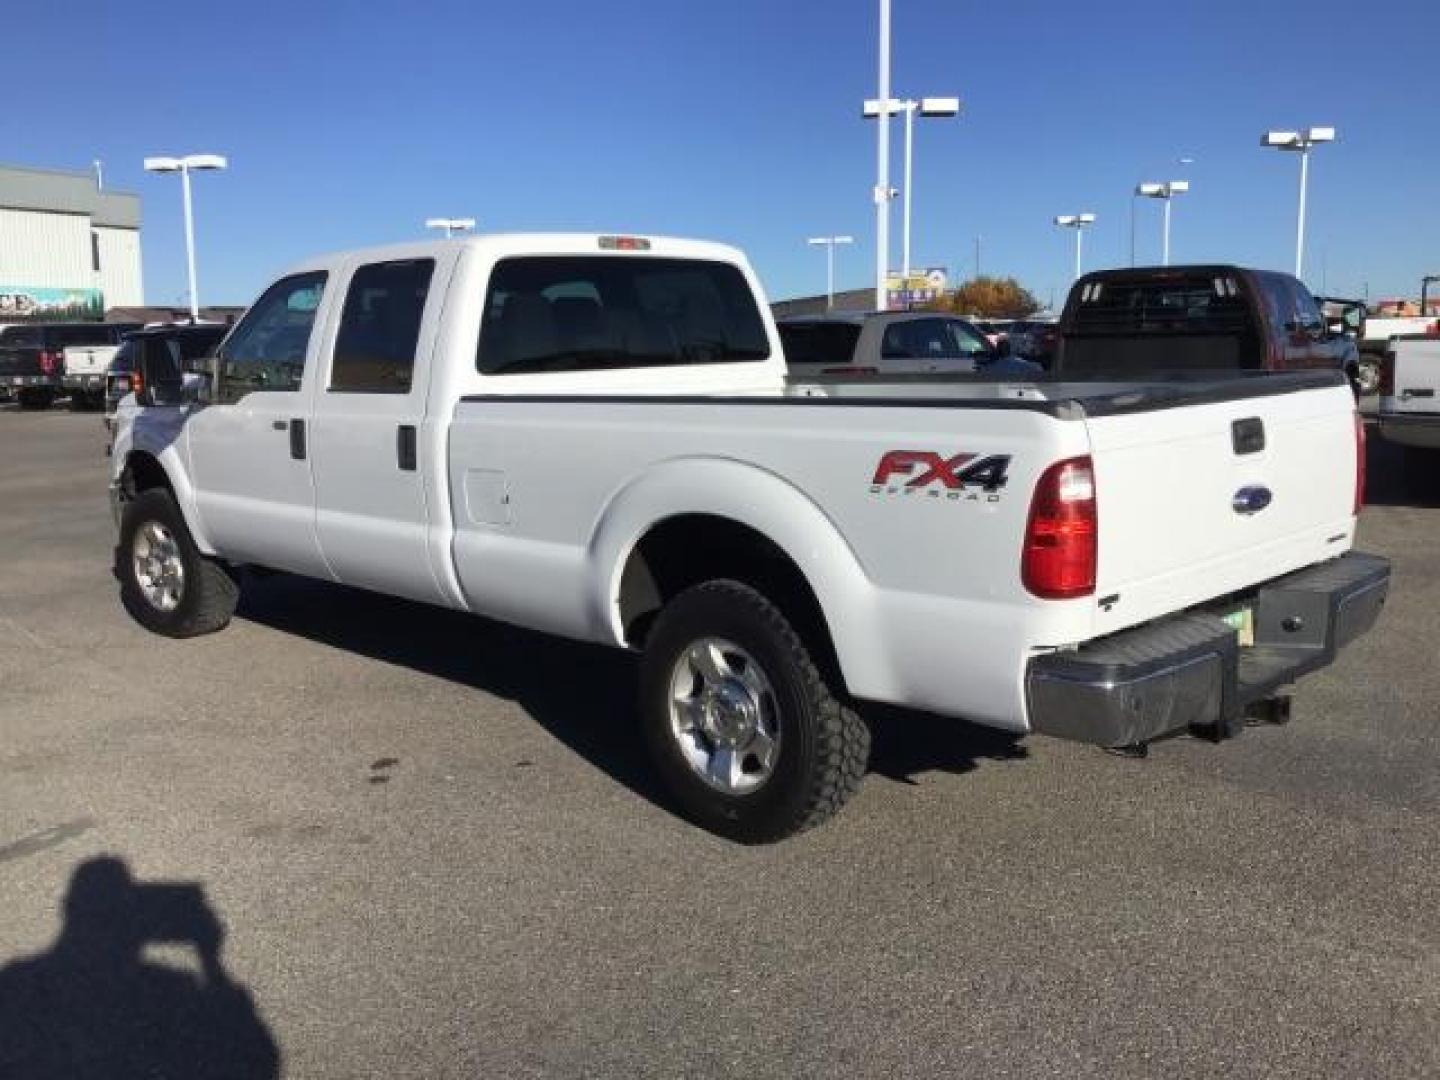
x=595, y=436
x=1409, y=412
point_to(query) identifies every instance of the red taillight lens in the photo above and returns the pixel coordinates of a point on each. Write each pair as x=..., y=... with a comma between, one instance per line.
x=1387, y=374
x=1062, y=537
x=49, y=362
x=1359, y=462
x=137, y=381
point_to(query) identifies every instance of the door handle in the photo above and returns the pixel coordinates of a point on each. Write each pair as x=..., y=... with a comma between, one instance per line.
x=405, y=447
x=297, y=439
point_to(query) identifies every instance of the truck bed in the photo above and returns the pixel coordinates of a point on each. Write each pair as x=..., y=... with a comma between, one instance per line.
x=900, y=544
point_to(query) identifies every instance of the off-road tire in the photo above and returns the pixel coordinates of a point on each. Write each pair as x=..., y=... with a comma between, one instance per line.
x=35, y=399
x=209, y=595
x=824, y=745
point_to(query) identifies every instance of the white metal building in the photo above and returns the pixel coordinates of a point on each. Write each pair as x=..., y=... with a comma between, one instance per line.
x=67, y=248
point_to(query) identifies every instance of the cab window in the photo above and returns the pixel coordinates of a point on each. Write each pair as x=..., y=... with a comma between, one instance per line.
x=380, y=327
x=267, y=350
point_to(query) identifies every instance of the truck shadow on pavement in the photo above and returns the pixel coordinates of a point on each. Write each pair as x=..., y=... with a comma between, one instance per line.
x=1387, y=482
x=94, y=1005
x=582, y=695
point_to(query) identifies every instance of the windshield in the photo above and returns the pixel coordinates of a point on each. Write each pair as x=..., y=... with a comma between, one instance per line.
x=592, y=312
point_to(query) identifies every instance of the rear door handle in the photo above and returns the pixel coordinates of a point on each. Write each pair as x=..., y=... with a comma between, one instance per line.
x=297, y=439
x=405, y=447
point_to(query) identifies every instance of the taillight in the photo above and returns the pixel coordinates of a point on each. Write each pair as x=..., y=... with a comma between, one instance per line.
x=1062, y=536
x=1359, y=462
x=1387, y=374
x=49, y=361
x=137, y=381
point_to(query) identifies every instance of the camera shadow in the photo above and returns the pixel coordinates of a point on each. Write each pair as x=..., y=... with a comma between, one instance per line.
x=95, y=1005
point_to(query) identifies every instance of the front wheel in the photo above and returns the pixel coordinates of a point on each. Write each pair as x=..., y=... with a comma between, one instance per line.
x=741, y=724
x=166, y=585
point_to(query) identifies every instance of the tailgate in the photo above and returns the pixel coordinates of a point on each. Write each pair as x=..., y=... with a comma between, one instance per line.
x=1203, y=500
x=88, y=359
x=1417, y=377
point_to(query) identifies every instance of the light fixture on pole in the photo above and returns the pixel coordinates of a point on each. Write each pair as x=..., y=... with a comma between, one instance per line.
x=185, y=166
x=930, y=107
x=829, y=242
x=1166, y=191
x=451, y=225
x=1299, y=142
x=1078, y=222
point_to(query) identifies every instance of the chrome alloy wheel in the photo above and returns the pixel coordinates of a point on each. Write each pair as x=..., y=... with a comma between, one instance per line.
x=724, y=716
x=159, y=568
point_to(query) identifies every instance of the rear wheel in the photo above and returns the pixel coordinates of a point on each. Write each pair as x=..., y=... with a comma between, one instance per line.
x=740, y=722
x=1422, y=470
x=166, y=585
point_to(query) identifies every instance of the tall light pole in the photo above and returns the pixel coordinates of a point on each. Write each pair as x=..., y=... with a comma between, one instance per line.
x=1166, y=191
x=829, y=242
x=1078, y=222
x=451, y=225
x=1299, y=142
x=1181, y=161
x=883, y=193
x=185, y=166
x=930, y=107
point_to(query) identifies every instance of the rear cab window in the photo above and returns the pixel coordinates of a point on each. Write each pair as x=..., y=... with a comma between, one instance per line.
x=547, y=314
x=1183, y=304
x=380, y=327
x=819, y=342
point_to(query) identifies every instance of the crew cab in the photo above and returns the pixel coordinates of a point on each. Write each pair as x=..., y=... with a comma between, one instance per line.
x=1197, y=318
x=892, y=343
x=1409, y=411
x=32, y=356
x=595, y=436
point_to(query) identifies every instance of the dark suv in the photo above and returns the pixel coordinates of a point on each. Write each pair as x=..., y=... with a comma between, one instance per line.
x=32, y=356
x=1196, y=318
x=172, y=348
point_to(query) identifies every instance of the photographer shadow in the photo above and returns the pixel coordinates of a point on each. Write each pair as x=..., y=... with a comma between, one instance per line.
x=95, y=1005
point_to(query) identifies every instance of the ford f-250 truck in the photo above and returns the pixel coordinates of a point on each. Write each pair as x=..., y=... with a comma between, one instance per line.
x=594, y=436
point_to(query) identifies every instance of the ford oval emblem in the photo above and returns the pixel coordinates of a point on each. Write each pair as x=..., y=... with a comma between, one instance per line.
x=1251, y=500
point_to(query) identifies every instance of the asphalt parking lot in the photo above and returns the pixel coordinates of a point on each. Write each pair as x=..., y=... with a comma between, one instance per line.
x=434, y=849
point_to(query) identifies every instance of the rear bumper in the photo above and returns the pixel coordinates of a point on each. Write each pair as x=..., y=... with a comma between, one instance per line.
x=1189, y=671
x=1411, y=429
x=83, y=382
x=25, y=382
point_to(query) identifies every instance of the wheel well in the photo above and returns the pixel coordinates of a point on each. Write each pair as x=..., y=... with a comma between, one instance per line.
x=143, y=472
x=692, y=548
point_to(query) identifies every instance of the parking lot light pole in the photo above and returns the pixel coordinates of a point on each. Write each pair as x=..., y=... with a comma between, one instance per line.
x=184, y=166
x=1166, y=191
x=451, y=225
x=932, y=107
x=1299, y=142
x=883, y=193
x=1078, y=222
x=829, y=242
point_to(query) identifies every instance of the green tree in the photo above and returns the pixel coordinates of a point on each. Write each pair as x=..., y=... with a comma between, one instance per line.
x=990, y=298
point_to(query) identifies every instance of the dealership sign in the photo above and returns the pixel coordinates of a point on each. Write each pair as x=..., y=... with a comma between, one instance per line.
x=23, y=303
x=903, y=291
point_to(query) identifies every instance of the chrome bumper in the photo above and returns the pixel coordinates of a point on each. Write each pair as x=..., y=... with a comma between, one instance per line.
x=1190, y=672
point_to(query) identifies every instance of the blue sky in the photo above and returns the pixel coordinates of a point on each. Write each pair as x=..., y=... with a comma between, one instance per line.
x=348, y=124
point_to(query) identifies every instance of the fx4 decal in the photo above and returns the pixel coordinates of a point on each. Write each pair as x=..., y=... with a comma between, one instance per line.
x=911, y=472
